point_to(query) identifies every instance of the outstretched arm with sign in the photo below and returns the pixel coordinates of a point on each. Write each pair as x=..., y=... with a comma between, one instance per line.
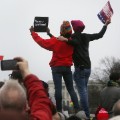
x=44, y=43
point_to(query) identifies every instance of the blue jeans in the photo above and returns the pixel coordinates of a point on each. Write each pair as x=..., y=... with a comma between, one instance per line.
x=65, y=72
x=81, y=77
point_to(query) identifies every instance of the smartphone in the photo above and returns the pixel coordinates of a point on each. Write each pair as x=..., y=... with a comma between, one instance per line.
x=9, y=64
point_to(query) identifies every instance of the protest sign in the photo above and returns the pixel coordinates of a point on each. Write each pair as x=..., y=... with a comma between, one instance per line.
x=40, y=24
x=106, y=13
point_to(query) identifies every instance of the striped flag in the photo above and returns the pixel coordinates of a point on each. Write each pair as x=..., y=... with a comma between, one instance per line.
x=105, y=13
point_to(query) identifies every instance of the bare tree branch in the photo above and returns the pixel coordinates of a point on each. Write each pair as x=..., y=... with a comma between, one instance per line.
x=107, y=65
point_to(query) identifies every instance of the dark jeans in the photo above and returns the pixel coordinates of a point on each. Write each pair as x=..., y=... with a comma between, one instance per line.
x=65, y=72
x=81, y=77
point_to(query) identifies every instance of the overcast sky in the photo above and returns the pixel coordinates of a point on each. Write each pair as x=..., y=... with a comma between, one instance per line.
x=16, y=17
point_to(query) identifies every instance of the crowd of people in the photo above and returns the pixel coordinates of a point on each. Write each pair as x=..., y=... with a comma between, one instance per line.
x=26, y=97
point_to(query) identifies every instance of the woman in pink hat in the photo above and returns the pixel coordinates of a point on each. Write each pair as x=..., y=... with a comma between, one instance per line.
x=81, y=58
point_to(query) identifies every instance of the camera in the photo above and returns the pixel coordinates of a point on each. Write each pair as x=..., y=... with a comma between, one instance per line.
x=9, y=64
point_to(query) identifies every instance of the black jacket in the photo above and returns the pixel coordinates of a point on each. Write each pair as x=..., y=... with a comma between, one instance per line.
x=80, y=41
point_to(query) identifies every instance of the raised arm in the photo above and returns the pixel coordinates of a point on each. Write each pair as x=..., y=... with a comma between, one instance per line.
x=45, y=43
x=96, y=36
x=48, y=32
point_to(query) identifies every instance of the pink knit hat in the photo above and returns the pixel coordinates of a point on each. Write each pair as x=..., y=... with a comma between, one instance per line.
x=77, y=25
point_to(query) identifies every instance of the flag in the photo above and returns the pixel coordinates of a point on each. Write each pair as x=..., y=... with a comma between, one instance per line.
x=1, y=57
x=106, y=13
